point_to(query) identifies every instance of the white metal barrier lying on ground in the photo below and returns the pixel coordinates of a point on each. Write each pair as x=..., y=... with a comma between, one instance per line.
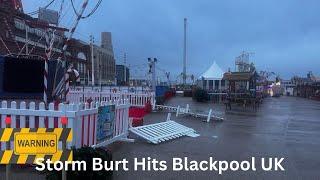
x=186, y=111
x=135, y=99
x=164, y=131
x=82, y=118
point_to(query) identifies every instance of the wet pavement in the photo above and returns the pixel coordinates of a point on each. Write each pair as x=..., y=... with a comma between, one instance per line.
x=286, y=127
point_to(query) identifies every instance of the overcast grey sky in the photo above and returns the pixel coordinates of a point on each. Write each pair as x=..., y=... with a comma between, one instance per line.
x=284, y=35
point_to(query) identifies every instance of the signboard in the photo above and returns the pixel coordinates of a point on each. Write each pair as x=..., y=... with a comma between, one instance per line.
x=32, y=143
x=105, y=125
x=35, y=143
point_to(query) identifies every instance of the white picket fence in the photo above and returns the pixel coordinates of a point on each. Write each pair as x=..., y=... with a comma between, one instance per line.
x=135, y=99
x=114, y=89
x=82, y=118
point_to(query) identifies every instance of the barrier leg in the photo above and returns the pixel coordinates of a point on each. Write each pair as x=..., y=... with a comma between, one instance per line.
x=154, y=105
x=187, y=108
x=169, y=117
x=178, y=109
x=209, y=115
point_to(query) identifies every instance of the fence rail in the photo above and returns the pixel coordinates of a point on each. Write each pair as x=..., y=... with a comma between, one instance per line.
x=82, y=117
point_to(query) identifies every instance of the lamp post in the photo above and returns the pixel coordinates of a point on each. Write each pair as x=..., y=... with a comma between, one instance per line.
x=152, y=66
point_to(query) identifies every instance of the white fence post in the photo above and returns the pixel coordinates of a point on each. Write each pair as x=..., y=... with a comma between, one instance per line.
x=41, y=118
x=4, y=105
x=13, y=117
x=51, y=119
x=23, y=118
x=32, y=121
x=178, y=109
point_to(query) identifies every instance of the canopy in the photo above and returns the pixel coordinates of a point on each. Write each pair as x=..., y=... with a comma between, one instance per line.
x=213, y=73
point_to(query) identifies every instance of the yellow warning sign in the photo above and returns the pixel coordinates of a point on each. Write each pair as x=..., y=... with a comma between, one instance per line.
x=30, y=144
x=35, y=143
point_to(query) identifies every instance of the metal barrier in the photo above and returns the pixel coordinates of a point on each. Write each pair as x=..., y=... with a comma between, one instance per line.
x=114, y=89
x=186, y=111
x=135, y=99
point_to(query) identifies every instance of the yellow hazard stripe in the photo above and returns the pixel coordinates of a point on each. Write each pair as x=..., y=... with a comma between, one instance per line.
x=70, y=158
x=38, y=156
x=41, y=130
x=25, y=130
x=58, y=131
x=6, y=157
x=70, y=136
x=22, y=159
x=56, y=156
x=9, y=158
x=6, y=134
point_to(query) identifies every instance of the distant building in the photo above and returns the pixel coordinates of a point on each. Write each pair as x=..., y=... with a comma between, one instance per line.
x=241, y=82
x=139, y=82
x=122, y=75
x=24, y=35
x=78, y=53
x=287, y=87
x=307, y=87
x=104, y=62
x=12, y=5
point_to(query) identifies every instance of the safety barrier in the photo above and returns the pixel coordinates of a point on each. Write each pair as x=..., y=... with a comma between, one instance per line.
x=114, y=89
x=186, y=111
x=82, y=118
x=135, y=99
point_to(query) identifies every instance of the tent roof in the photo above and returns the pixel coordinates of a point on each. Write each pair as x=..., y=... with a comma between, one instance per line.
x=214, y=72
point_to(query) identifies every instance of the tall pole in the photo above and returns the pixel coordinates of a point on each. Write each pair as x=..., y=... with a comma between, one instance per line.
x=152, y=64
x=100, y=83
x=92, y=60
x=154, y=75
x=27, y=39
x=185, y=53
x=125, y=68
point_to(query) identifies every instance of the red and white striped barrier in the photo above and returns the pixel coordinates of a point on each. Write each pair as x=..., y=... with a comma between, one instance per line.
x=64, y=49
x=48, y=51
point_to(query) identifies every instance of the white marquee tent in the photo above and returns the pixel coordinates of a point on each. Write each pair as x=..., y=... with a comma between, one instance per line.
x=212, y=78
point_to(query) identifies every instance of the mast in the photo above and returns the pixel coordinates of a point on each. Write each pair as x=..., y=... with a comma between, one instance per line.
x=184, y=76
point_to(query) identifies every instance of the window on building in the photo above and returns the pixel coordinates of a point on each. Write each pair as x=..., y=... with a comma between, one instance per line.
x=216, y=84
x=210, y=84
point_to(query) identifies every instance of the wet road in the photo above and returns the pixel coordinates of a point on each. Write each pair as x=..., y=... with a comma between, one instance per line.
x=286, y=127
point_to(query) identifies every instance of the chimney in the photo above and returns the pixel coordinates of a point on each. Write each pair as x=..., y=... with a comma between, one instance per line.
x=106, y=40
